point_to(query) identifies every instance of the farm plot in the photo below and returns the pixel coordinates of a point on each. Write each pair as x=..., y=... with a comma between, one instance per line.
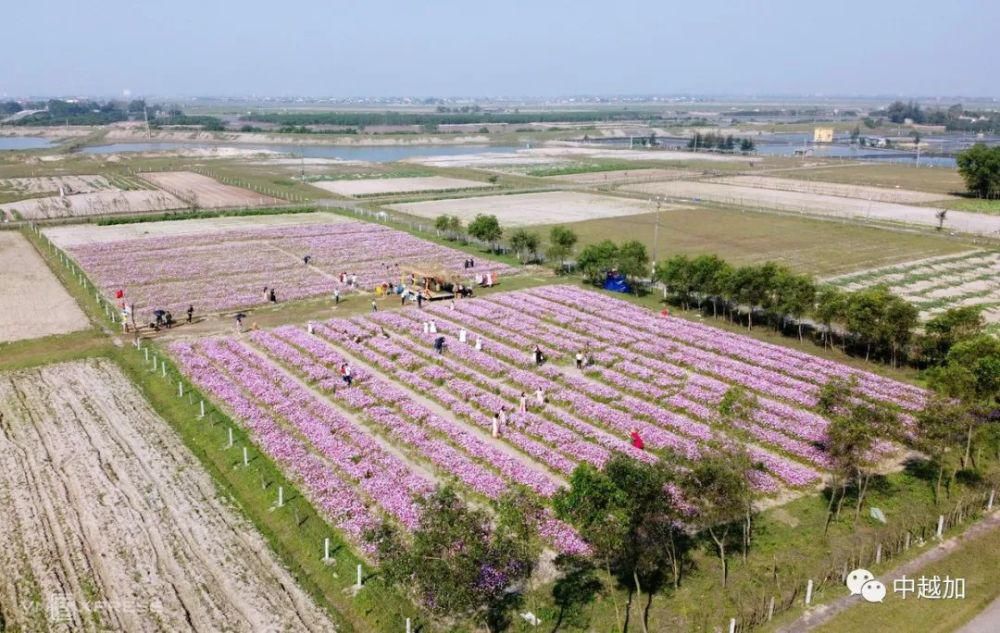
x=226, y=269
x=207, y=193
x=531, y=208
x=110, y=523
x=387, y=186
x=620, y=176
x=661, y=376
x=105, y=202
x=35, y=303
x=54, y=184
x=938, y=283
x=819, y=204
x=880, y=194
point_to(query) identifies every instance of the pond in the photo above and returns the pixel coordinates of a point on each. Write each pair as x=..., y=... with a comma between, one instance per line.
x=25, y=142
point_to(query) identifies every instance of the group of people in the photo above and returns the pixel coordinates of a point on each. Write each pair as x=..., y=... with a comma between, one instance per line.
x=270, y=294
x=469, y=263
x=500, y=419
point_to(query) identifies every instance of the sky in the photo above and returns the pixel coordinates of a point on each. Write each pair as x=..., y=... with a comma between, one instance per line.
x=541, y=48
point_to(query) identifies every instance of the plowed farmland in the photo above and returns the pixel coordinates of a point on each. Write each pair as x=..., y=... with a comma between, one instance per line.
x=109, y=523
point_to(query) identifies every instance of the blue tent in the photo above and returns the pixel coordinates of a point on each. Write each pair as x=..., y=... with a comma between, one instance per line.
x=615, y=282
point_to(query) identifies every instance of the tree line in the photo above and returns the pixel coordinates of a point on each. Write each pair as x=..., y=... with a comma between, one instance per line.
x=363, y=119
x=720, y=142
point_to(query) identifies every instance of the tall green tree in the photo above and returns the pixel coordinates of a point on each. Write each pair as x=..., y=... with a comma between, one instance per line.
x=524, y=243
x=561, y=243
x=944, y=330
x=596, y=259
x=633, y=261
x=941, y=433
x=979, y=166
x=486, y=228
x=633, y=525
x=465, y=562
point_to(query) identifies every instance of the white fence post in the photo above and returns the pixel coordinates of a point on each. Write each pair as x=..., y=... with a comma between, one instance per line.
x=940, y=528
x=180, y=389
x=201, y=412
x=326, y=549
x=809, y=592
x=246, y=458
x=732, y=625
x=281, y=496
x=230, y=437
x=358, y=585
x=878, y=554
x=989, y=504
x=770, y=609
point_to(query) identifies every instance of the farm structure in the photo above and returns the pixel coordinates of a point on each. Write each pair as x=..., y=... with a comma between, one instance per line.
x=413, y=415
x=110, y=523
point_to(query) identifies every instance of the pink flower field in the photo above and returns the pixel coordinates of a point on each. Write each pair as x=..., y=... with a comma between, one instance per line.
x=229, y=270
x=413, y=417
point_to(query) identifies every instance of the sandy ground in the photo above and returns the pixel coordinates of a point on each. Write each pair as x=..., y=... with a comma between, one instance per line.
x=550, y=155
x=495, y=159
x=51, y=184
x=34, y=303
x=68, y=236
x=531, y=208
x=206, y=192
x=94, y=203
x=818, y=204
x=138, y=134
x=108, y=516
x=881, y=194
x=373, y=186
x=623, y=176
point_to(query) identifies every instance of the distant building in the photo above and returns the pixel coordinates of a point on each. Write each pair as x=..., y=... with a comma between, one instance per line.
x=823, y=135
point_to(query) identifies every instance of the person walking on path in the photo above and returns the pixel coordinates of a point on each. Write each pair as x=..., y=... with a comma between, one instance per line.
x=190, y=313
x=420, y=301
x=523, y=403
x=637, y=439
x=374, y=306
x=336, y=296
x=345, y=374
x=239, y=321
x=579, y=360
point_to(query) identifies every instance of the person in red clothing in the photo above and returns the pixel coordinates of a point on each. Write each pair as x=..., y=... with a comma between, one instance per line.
x=637, y=440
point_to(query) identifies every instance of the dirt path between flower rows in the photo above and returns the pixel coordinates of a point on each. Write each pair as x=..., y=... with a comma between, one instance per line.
x=111, y=524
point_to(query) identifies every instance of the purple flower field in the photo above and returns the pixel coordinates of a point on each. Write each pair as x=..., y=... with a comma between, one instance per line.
x=230, y=269
x=414, y=417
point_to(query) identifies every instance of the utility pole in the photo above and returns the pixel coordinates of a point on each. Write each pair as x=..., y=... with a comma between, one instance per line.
x=656, y=230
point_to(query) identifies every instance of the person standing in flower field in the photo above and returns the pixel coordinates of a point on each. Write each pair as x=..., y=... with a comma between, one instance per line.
x=190, y=313
x=345, y=374
x=374, y=306
x=495, y=431
x=523, y=403
x=336, y=296
x=579, y=360
x=540, y=397
x=637, y=439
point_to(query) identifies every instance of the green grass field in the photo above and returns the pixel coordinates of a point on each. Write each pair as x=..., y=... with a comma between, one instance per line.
x=931, y=179
x=820, y=247
x=976, y=205
x=977, y=561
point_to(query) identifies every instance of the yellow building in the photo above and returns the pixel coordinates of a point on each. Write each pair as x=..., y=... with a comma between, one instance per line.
x=823, y=135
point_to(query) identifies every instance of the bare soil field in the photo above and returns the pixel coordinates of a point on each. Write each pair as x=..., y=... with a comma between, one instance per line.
x=205, y=192
x=376, y=186
x=531, y=208
x=110, y=523
x=53, y=184
x=95, y=203
x=487, y=160
x=68, y=236
x=620, y=177
x=34, y=302
x=935, y=284
x=550, y=155
x=818, y=204
x=882, y=194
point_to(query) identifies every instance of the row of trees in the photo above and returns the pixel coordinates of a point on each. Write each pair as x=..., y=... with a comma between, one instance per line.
x=526, y=244
x=873, y=319
x=720, y=142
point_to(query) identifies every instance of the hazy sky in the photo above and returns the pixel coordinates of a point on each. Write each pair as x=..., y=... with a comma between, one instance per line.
x=504, y=47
